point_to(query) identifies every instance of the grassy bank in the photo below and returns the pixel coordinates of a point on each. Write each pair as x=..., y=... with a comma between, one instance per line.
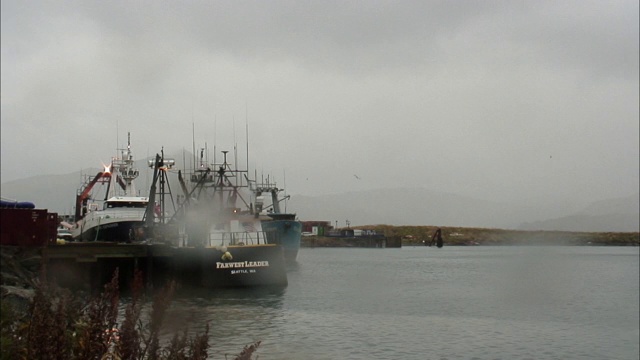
x=462, y=236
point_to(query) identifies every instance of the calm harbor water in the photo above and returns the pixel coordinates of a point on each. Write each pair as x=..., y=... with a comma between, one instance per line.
x=428, y=303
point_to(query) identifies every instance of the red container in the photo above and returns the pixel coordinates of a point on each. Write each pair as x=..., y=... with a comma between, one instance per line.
x=27, y=227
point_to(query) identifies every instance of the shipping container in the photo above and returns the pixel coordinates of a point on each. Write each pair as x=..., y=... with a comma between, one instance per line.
x=27, y=227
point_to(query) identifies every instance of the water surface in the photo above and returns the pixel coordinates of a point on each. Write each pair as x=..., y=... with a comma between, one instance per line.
x=513, y=302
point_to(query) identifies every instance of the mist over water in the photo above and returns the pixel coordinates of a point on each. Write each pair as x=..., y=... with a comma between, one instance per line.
x=425, y=303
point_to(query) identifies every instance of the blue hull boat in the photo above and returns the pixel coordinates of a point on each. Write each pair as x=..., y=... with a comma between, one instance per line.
x=284, y=230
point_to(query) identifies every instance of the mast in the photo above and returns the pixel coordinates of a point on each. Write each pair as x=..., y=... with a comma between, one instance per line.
x=193, y=139
x=246, y=125
x=215, y=134
x=126, y=169
x=284, y=179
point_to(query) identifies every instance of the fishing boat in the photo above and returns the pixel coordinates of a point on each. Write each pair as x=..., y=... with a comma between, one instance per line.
x=208, y=241
x=281, y=227
x=119, y=216
x=217, y=220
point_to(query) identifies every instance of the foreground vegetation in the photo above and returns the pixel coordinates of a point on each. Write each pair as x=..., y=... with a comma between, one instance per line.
x=458, y=236
x=59, y=325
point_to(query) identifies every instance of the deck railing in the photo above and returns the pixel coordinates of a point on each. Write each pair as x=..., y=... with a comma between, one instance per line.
x=241, y=238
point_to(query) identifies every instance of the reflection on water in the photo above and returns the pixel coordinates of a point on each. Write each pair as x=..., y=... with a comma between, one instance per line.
x=237, y=317
x=264, y=296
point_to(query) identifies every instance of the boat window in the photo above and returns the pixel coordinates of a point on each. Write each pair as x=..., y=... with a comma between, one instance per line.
x=127, y=204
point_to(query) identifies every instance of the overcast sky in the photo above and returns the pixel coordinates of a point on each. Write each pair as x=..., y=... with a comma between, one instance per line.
x=499, y=100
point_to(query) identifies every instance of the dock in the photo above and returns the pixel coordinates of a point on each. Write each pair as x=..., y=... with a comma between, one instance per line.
x=380, y=242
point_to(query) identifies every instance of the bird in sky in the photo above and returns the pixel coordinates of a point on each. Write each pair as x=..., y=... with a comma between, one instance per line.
x=357, y=177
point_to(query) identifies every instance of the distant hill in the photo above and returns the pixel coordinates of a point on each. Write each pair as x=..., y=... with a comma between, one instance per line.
x=54, y=192
x=57, y=193
x=401, y=206
x=613, y=215
x=392, y=206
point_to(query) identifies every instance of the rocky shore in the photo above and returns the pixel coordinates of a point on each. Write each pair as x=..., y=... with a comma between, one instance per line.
x=19, y=272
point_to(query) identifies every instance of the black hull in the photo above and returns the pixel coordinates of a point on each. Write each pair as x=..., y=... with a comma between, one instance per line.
x=259, y=265
x=92, y=264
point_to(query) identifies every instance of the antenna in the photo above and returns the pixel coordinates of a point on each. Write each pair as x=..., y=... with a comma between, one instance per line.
x=193, y=137
x=146, y=183
x=235, y=148
x=284, y=181
x=246, y=122
x=235, y=144
x=184, y=161
x=215, y=133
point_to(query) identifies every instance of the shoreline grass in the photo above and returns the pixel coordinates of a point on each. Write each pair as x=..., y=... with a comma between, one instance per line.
x=61, y=325
x=464, y=236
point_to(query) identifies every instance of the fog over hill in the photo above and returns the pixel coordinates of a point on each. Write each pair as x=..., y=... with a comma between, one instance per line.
x=58, y=192
x=621, y=214
x=424, y=207
x=392, y=206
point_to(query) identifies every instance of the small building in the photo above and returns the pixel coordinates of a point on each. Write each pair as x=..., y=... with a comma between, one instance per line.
x=319, y=228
